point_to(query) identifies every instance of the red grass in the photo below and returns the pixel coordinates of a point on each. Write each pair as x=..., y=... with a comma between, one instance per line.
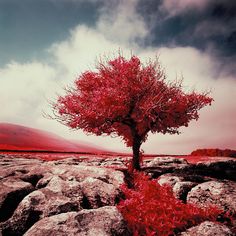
x=151, y=209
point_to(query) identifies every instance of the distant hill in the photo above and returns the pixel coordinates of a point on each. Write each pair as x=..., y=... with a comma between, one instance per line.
x=21, y=138
x=214, y=152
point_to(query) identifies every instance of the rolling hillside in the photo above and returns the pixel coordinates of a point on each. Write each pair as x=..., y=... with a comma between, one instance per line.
x=21, y=138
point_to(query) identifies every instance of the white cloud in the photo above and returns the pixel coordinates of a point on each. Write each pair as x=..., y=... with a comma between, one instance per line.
x=25, y=88
x=175, y=7
x=196, y=67
x=214, y=127
x=79, y=52
x=122, y=23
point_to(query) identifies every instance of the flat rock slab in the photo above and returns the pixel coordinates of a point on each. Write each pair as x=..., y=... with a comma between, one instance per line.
x=181, y=184
x=78, y=196
x=32, y=190
x=105, y=221
x=167, y=161
x=208, y=228
x=220, y=193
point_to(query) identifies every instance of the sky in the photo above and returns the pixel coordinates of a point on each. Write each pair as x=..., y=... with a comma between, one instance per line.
x=45, y=45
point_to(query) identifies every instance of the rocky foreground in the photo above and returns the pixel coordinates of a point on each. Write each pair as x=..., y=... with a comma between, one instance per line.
x=78, y=197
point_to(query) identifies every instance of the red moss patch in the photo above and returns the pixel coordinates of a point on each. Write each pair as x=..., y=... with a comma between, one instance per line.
x=151, y=209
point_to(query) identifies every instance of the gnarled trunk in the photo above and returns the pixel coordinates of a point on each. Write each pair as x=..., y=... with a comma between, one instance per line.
x=136, y=153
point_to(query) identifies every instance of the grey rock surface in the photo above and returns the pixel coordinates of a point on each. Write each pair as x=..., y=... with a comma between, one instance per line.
x=181, y=184
x=170, y=179
x=208, y=228
x=40, y=189
x=220, y=193
x=105, y=221
x=167, y=161
x=77, y=196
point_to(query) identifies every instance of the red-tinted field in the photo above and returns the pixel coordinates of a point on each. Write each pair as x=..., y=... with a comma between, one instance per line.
x=51, y=156
x=21, y=141
x=20, y=138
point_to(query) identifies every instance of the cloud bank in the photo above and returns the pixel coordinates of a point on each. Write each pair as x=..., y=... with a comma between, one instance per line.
x=26, y=88
x=174, y=7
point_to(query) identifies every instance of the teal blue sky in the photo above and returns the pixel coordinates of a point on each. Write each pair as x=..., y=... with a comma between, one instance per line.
x=29, y=27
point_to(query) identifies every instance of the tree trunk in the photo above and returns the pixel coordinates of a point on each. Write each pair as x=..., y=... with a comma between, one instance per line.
x=136, y=153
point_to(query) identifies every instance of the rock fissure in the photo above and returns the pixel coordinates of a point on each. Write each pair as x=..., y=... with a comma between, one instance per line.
x=11, y=194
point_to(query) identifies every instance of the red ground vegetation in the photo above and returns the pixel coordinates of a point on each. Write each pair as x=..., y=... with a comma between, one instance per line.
x=151, y=209
x=214, y=152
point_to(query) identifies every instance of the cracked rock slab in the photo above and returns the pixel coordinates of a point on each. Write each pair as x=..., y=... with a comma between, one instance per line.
x=12, y=191
x=51, y=188
x=104, y=221
x=220, y=193
x=208, y=228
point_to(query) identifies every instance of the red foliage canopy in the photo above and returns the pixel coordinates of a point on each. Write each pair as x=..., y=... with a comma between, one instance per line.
x=128, y=99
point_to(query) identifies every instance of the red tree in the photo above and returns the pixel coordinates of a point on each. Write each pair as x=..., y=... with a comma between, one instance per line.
x=128, y=99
